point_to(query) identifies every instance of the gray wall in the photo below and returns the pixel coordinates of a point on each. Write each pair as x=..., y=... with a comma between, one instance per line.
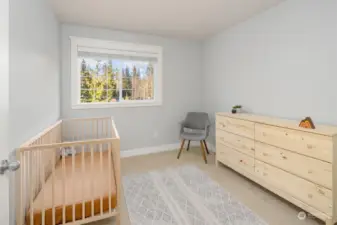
x=34, y=73
x=144, y=126
x=281, y=63
x=34, y=69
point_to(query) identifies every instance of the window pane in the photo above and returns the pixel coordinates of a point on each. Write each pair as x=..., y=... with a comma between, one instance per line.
x=87, y=95
x=97, y=77
x=127, y=83
x=127, y=95
x=113, y=74
x=113, y=96
x=102, y=79
x=137, y=82
x=93, y=67
x=86, y=83
x=100, y=95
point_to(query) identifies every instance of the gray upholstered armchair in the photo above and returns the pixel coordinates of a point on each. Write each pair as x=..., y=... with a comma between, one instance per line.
x=195, y=127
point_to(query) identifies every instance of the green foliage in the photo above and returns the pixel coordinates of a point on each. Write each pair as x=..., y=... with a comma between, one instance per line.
x=99, y=84
x=100, y=81
x=237, y=107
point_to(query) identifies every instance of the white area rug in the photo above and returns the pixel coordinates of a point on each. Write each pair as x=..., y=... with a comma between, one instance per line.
x=182, y=196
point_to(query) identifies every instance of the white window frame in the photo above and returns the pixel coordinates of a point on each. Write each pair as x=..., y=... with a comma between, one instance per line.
x=114, y=47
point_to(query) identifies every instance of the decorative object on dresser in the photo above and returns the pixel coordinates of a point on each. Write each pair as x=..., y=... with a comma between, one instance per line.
x=236, y=109
x=195, y=127
x=296, y=163
x=307, y=123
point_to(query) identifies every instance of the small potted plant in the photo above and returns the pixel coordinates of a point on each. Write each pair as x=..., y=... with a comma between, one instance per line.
x=236, y=109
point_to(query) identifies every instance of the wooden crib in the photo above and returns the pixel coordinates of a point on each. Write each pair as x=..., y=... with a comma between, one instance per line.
x=70, y=174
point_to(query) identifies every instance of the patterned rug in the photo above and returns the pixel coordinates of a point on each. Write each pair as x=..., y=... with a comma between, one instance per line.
x=182, y=196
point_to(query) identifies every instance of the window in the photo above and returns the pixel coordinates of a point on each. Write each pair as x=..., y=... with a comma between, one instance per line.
x=114, y=74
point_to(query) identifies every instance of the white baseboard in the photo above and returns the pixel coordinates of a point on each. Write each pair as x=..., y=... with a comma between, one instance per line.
x=157, y=149
x=149, y=150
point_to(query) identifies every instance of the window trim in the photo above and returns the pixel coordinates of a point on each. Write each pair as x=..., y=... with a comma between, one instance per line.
x=129, y=49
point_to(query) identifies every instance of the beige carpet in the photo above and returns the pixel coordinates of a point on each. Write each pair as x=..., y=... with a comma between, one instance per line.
x=268, y=206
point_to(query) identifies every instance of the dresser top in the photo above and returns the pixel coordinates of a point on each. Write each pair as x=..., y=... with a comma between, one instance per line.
x=291, y=124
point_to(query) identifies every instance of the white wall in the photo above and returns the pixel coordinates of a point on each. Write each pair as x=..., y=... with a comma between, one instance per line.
x=34, y=69
x=144, y=126
x=281, y=63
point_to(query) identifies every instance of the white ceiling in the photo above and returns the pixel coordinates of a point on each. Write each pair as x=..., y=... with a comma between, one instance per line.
x=195, y=19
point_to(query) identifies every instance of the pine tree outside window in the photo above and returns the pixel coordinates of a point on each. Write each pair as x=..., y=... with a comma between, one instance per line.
x=115, y=74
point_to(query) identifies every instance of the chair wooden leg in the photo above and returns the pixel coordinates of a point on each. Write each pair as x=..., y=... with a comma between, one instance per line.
x=206, y=146
x=203, y=151
x=181, y=148
x=188, y=145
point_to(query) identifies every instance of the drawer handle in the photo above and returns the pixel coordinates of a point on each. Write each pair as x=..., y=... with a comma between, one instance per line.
x=264, y=134
x=252, y=149
x=309, y=195
x=309, y=171
x=286, y=134
x=309, y=146
x=319, y=190
x=265, y=174
x=264, y=154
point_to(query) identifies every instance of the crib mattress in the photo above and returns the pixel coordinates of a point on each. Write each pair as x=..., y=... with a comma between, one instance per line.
x=79, y=188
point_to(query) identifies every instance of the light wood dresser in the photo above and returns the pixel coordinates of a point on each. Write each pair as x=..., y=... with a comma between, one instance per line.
x=298, y=164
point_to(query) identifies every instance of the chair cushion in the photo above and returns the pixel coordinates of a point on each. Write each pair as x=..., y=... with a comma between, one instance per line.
x=193, y=136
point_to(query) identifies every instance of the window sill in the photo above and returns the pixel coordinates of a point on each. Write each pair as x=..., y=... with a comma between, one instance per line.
x=115, y=105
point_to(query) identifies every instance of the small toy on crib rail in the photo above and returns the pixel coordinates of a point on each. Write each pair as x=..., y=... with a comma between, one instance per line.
x=67, y=151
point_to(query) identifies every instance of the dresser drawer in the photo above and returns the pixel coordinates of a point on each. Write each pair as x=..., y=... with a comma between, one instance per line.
x=233, y=158
x=314, y=170
x=240, y=127
x=239, y=143
x=313, y=145
x=303, y=190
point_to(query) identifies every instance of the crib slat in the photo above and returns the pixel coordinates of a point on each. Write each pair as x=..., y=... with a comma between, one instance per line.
x=106, y=127
x=73, y=178
x=31, y=196
x=22, y=173
x=53, y=187
x=101, y=164
x=83, y=177
x=64, y=188
x=92, y=180
x=81, y=128
x=109, y=163
x=37, y=169
x=103, y=128
x=28, y=180
x=93, y=130
x=42, y=185
x=97, y=123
